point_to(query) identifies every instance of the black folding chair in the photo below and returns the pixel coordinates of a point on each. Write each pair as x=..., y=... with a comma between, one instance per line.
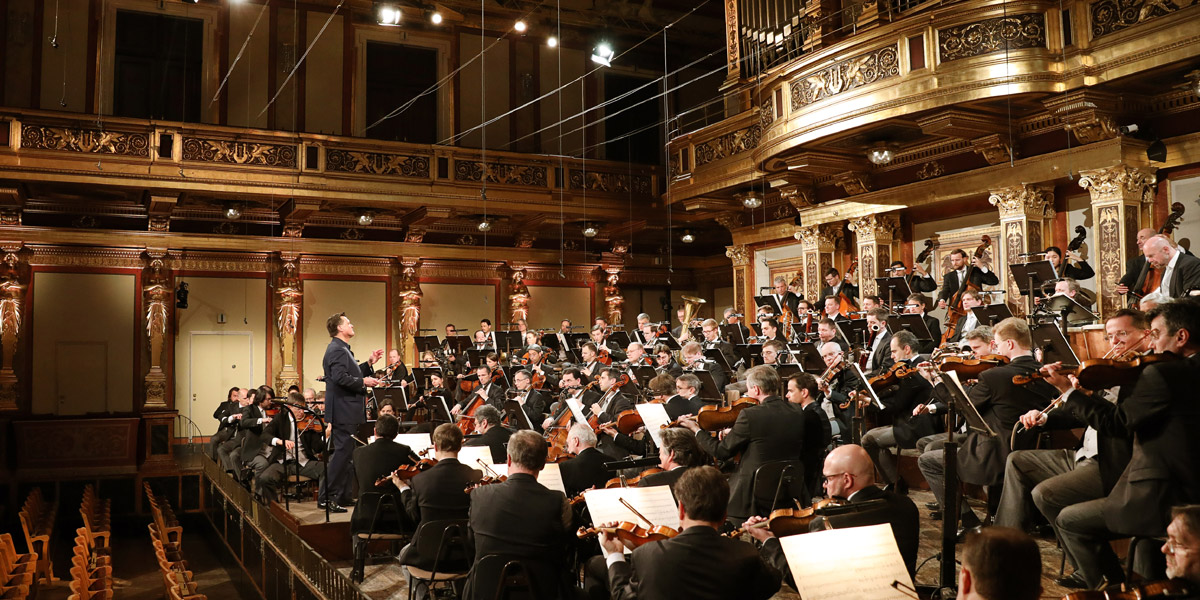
x=446, y=542
x=379, y=504
x=776, y=484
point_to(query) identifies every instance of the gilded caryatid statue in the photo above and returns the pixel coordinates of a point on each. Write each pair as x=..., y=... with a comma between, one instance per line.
x=157, y=296
x=410, y=302
x=288, y=317
x=614, y=302
x=518, y=297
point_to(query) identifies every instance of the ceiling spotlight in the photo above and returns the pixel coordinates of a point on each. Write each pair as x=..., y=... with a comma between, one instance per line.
x=366, y=218
x=389, y=14
x=687, y=237
x=880, y=154
x=751, y=200
x=590, y=230
x=484, y=226
x=1194, y=81
x=603, y=54
x=519, y=26
x=552, y=42
x=435, y=17
x=233, y=213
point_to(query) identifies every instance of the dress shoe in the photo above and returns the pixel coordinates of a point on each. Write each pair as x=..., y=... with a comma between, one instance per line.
x=936, y=515
x=963, y=532
x=333, y=507
x=1074, y=581
x=933, y=506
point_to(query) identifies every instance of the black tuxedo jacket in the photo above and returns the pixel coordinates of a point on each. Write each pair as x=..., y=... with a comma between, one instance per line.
x=375, y=460
x=673, y=369
x=773, y=430
x=496, y=438
x=697, y=564
x=1133, y=272
x=818, y=434
x=1001, y=403
x=225, y=410
x=522, y=518
x=918, y=284
x=1078, y=273
x=913, y=390
x=849, y=289
x=678, y=406
x=495, y=396
x=790, y=300
x=979, y=278
x=1185, y=276
x=345, y=393
x=622, y=445
x=667, y=478
x=252, y=441
x=281, y=427
x=535, y=408
x=1164, y=471
x=440, y=492
x=726, y=350
x=882, y=356
x=935, y=329
x=585, y=471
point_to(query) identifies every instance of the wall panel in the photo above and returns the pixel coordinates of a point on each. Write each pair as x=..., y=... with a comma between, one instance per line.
x=550, y=304
x=365, y=302
x=496, y=67
x=323, y=76
x=83, y=350
x=69, y=61
x=246, y=91
x=462, y=304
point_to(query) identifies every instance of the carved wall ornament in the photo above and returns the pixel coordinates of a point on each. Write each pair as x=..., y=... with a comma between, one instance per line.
x=825, y=237
x=376, y=163
x=1014, y=245
x=995, y=149
x=12, y=299
x=10, y=216
x=930, y=170
x=572, y=245
x=239, y=153
x=614, y=301
x=798, y=197
x=620, y=248
x=999, y=34
x=289, y=293
x=1110, y=266
x=1112, y=182
x=293, y=229
x=730, y=144
x=766, y=112
x=351, y=234
x=740, y=255
x=622, y=183
x=732, y=45
x=466, y=240
x=501, y=173
x=853, y=73
x=1028, y=200
x=853, y=183
x=88, y=141
x=158, y=296
x=410, y=303
x=414, y=235
x=875, y=227
x=730, y=221
x=159, y=223
x=1109, y=16
x=525, y=239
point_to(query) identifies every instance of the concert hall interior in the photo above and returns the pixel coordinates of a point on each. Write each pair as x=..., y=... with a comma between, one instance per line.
x=360, y=299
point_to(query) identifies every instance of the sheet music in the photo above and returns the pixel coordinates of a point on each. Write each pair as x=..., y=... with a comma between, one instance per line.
x=655, y=417
x=576, y=410
x=655, y=503
x=551, y=477
x=468, y=455
x=872, y=550
x=416, y=441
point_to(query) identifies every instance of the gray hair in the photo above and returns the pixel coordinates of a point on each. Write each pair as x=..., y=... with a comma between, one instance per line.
x=584, y=434
x=488, y=414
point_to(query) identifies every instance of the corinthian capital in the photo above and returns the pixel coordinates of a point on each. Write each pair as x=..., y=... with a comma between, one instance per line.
x=1023, y=200
x=738, y=254
x=875, y=227
x=1117, y=180
x=819, y=237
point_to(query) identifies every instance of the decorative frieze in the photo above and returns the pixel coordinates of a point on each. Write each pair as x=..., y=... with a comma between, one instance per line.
x=740, y=255
x=1110, y=16
x=259, y=154
x=999, y=34
x=853, y=183
x=856, y=72
x=376, y=163
x=88, y=141
x=730, y=144
x=609, y=182
x=500, y=173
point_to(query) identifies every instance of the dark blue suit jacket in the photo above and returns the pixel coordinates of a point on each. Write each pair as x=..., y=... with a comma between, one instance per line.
x=345, y=393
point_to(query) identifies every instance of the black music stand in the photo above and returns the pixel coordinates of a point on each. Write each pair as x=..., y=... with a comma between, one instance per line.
x=515, y=417
x=787, y=370
x=732, y=333
x=751, y=354
x=426, y=343
x=550, y=342
x=1068, y=310
x=708, y=385
x=808, y=357
x=477, y=358
x=697, y=333
x=642, y=375
x=620, y=338
x=991, y=314
x=913, y=323
x=768, y=301
x=855, y=331
x=1054, y=346
x=422, y=376
x=891, y=288
x=1029, y=278
x=575, y=340
x=718, y=357
x=509, y=340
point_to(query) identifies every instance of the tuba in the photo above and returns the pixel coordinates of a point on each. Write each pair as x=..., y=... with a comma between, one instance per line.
x=691, y=306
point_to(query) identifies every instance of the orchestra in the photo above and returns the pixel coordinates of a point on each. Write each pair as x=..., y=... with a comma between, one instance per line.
x=880, y=387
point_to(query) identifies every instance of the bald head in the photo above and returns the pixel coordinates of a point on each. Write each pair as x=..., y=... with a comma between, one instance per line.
x=848, y=469
x=1143, y=235
x=1159, y=251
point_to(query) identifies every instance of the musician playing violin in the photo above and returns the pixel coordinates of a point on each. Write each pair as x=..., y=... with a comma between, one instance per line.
x=538, y=367
x=1059, y=478
x=712, y=340
x=849, y=475
x=438, y=492
x=586, y=469
x=1182, y=548
x=395, y=373
x=599, y=337
x=696, y=564
x=572, y=387
x=918, y=281
x=664, y=361
x=827, y=332
x=802, y=392
x=591, y=365
x=1164, y=469
x=612, y=403
x=531, y=400
x=908, y=428
x=836, y=391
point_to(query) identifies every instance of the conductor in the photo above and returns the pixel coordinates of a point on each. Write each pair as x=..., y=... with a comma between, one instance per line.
x=346, y=383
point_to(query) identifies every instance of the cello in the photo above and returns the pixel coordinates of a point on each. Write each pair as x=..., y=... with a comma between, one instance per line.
x=846, y=304
x=954, y=309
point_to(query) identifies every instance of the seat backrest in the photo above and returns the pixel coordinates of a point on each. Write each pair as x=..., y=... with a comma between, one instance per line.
x=769, y=494
x=377, y=512
x=501, y=577
x=443, y=545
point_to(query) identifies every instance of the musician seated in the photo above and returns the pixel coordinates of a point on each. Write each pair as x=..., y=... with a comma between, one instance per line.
x=523, y=519
x=827, y=332
x=1182, y=548
x=694, y=360
x=646, y=333
x=439, y=492
x=284, y=458
x=492, y=432
x=770, y=330
x=870, y=303
x=686, y=400
x=774, y=353
x=697, y=563
x=1078, y=271
x=920, y=304
x=599, y=336
x=531, y=338
x=681, y=332
x=572, y=387
x=635, y=355
x=591, y=361
x=713, y=341
x=605, y=410
x=485, y=325
x=849, y=475
x=661, y=388
x=979, y=342
x=836, y=389
x=731, y=318
x=834, y=284
x=678, y=453
x=372, y=462
x=395, y=373
x=1000, y=563
x=1070, y=288
x=251, y=445
x=586, y=469
x=970, y=299
x=1135, y=266
x=879, y=357
x=481, y=340
x=531, y=400
x=832, y=309
x=899, y=404
x=664, y=360
x=802, y=391
x=227, y=415
x=537, y=360
x=491, y=393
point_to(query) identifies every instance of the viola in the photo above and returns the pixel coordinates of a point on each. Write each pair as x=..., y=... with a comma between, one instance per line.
x=881, y=382
x=716, y=418
x=792, y=521
x=603, y=357
x=485, y=481
x=631, y=533
x=954, y=309
x=627, y=422
x=406, y=472
x=970, y=368
x=311, y=423
x=1168, y=588
x=620, y=482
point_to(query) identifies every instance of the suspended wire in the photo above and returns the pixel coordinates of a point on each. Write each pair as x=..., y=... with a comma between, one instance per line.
x=566, y=181
x=666, y=141
x=241, y=51
x=296, y=67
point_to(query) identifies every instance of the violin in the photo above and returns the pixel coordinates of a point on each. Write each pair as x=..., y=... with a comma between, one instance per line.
x=882, y=381
x=970, y=368
x=1168, y=588
x=954, y=309
x=716, y=418
x=406, y=472
x=620, y=482
x=792, y=521
x=603, y=357
x=485, y=481
x=631, y=533
x=627, y=422
x=1101, y=373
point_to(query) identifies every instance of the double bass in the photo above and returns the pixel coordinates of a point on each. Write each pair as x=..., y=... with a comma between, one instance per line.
x=846, y=304
x=1150, y=278
x=954, y=309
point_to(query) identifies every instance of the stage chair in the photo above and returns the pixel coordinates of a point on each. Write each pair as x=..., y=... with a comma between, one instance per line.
x=778, y=483
x=446, y=542
x=379, y=504
x=497, y=576
x=37, y=522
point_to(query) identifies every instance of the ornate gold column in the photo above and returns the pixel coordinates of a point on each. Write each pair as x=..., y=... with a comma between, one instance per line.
x=743, y=286
x=614, y=300
x=877, y=245
x=819, y=243
x=733, y=53
x=409, y=294
x=288, y=294
x=1119, y=194
x=518, y=292
x=12, y=301
x=157, y=296
x=1026, y=212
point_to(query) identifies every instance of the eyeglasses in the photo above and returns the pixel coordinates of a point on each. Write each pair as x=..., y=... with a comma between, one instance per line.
x=828, y=477
x=1174, y=547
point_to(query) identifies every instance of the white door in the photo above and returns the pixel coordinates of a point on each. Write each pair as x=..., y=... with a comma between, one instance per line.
x=218, y=361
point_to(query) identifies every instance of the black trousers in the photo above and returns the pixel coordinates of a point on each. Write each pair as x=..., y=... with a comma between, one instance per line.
x=341, y=465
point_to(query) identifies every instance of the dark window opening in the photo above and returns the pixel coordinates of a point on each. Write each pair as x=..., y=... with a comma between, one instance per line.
x=644, y=146
x=395, y=75
x=158, y=65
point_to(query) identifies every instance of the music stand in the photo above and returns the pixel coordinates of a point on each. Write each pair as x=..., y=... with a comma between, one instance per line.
x=751, y=354
x=768, y=301
x=575, y=340
x=787, y=370
x=1029, y=278
x=808, y=357
x=718, y=357
x=991, y=314
x=642, y=375
x=514, y=416
x=477, y=358
x=422, y=376
x=708, y=385
x=620, y=338
x=1068, y=310
x=913, y=323
x=854, y=330
x=896, y=287
x=508, y=340
x=732, y=333
x=426, y=343
x=1054, y=346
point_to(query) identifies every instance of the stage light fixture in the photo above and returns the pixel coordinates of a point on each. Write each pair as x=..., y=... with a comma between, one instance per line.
x=366, y=218
x=1157, y=151
x=233, y=213
x=751, y=200
x=552, y=42
x=435, y=17
x=484, y=226
x=687, y=237
x=388, y=14
x=603, y=54
x=590, y=230
x=880, y=154
x=519, y=26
